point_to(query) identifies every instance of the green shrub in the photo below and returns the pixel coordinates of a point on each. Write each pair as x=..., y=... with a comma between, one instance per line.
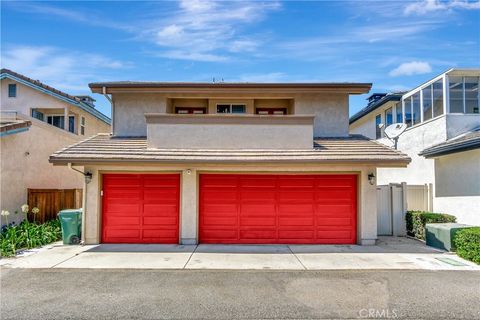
x=416, y=221
x=467, y=242
x=28, y=235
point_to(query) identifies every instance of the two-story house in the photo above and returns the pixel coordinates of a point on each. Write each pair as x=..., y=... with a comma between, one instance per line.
x=230, y=163
x=443, y=120
x=37, y=120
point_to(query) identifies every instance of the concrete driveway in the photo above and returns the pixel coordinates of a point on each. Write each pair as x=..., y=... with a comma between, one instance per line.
x=390, y=253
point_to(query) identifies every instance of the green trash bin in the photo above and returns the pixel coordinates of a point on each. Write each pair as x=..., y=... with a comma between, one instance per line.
x=71, y=221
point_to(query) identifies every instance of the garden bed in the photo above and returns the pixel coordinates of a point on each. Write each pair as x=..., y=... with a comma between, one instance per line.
x=28, y=235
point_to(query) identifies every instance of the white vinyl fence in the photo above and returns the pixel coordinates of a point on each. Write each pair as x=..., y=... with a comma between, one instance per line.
x=394, y=200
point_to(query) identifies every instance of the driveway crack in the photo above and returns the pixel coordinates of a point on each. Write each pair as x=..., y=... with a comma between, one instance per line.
x=299, y=261
x=196, y=246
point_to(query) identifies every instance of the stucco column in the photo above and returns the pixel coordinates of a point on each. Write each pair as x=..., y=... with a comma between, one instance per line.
x=91, y=210
x=65, y=118
x=188, y=207
x=368, y=207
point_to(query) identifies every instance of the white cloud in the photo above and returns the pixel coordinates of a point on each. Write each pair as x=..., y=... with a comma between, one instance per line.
x=62, y=69
x=411, y=68
x=208, y=30
x=431, y=6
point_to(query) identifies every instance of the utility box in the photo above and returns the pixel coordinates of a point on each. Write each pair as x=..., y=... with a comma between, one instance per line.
x=441, y=235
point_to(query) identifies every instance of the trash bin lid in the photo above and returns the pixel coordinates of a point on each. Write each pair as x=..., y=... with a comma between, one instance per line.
x=70, y=212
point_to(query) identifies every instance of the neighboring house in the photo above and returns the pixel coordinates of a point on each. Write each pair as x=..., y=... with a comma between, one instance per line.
x=37, y=120
x=230, y=163
x=437, y=112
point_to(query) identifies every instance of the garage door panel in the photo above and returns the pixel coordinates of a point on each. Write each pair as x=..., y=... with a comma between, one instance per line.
x=220, y=221
x=140, y=208
x=278, y=209
x=260, y=235
x=296, y=221
x=161, y=195
x=257, y=195
x=160, y=210
x=257, y=209
x=257, y=221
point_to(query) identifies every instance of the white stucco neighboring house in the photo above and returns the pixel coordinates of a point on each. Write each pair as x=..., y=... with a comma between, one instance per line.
x=37, y=120
x=230, y=163
x=441, y=110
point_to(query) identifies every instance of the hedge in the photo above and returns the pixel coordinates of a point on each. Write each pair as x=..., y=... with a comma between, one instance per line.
x=467, y=242
x=416, y=221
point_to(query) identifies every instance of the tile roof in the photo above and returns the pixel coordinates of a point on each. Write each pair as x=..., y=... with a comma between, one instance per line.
x=75, y=100
x=8, y=126
x=104, y=148
x=464, y=142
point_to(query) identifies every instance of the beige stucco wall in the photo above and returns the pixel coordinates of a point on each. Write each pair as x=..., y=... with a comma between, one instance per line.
x=28, y=98
x=234, y=136
x=330, y=109
x=457, y=186
x=129, y=112
x=24, y=164
x=367, y=214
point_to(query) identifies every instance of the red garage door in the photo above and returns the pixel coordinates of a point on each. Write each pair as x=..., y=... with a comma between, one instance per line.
x=140, y=208
x=278, y=209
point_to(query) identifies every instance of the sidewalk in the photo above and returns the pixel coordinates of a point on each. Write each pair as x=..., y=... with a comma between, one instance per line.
x=392, y=253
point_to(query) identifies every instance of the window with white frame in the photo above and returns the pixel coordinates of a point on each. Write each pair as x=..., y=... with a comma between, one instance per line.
x=427, y=103
x=455, y=91
x=388, y=117
x=12, y=90
x=471, y=94
x=82, y=126
x=398, y=112
x=378, y=130
x=231, y=108
x=437, y=98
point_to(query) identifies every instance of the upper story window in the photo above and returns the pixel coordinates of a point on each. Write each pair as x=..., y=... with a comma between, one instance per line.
x=456, y=94
x=190, y=110
x=407, y=105
x=378, y=130
x=231, y=108
x=388, y=117
x=427, y=103
x=398, y=112
x=416, y=108
x=437, y=98
x=82, y=126
x=472, y=94
x=59, y=122
x=37, y=114
x=12, y=90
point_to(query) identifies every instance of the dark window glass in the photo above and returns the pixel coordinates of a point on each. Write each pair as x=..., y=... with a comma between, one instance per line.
x=388, y=117
x=83, y=121
x=37, y=114
x=398, y=113
x=437, y=98
x=238, y=108
x=56, y=121
x=408, y=111
x=82, y=131
x=471, y=95
x=378, y=130
x=416, y=108
x=71, y=124
x=427, y=103
x=456, y=94
x=223, y=108
x=12, y=90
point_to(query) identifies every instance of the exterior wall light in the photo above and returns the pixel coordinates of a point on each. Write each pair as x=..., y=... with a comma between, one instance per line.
x=371, y=178
x=188, y=171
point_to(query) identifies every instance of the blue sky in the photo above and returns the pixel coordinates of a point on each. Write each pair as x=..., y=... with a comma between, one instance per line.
x=396, y=45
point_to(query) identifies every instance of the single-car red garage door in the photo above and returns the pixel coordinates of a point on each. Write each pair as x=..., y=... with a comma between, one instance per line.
x=140, y=208
x=269, y=209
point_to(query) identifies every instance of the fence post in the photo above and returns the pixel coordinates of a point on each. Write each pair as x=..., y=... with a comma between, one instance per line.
x=430, y=197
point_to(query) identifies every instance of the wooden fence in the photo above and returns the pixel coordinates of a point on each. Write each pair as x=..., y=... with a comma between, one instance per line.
x=51, y=201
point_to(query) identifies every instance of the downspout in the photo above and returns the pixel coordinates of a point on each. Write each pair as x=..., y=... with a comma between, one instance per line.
x=104, y=93
x=87, y=179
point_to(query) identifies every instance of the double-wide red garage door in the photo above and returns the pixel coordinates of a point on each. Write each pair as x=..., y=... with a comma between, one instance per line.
x=140, y=208
x=278, y=209
x=234, y=208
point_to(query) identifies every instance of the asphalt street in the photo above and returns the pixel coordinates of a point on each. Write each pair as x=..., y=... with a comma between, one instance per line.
x=159, y=294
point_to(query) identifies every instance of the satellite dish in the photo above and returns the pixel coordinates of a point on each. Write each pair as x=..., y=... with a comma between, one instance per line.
x=394, y=131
